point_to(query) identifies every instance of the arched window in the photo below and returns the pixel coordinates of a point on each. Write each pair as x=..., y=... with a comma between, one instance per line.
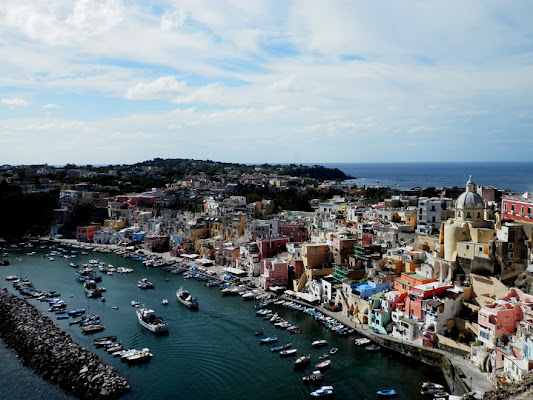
x=478, y=215
x=468, y=215
x=458, y=213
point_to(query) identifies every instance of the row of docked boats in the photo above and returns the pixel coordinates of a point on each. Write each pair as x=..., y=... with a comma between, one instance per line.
x=131, y=356
x=277, y=321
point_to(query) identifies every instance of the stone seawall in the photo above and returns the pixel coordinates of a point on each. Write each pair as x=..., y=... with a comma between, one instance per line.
x=43, y=347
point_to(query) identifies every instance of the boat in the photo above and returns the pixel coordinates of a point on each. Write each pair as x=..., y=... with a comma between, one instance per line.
x=323, y=356
x=316, y=376
x=11, y=277
x=324, y=391
x=165, y=302
x=270, y=339
x=431, y=385
x=333, y=350
x=284, y=347
x=386, y=392
x=148, y=319
x=287, y=353
x=135, y=303
x=93, y=328
x=140, y=356
x=91, y=289
x=319, y=343
x=323, y=365
x=441, y=395
x=185, y=298
x=362, y=341
x=105, y=338
x=260, y=332
x=372, y=347
x=302, y=361
x=144, y=284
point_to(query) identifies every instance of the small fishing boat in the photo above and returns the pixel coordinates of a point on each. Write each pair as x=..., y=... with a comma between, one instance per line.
x=164, y=302
x=323, y=365
x=185, y=298
x=333, y=350
x=270, y=339
x=316, y=376
x=319, y=343
x=362, y=341
x=323, y=356
x=386, y=392
x=144, y=284
x=260, y=332
x=372, y=347
x=324, y=391
x=287, y=353
x=302, y=361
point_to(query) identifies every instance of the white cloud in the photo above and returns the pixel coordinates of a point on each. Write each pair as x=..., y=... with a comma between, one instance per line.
x=15, y=102
x=51, y=105
x=172, y=20
x=162, y=88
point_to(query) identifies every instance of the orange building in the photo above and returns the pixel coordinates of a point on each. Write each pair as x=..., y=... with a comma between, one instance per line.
x=409, y=279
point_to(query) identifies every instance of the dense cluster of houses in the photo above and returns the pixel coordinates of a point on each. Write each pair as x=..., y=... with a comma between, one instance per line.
x=452, y=273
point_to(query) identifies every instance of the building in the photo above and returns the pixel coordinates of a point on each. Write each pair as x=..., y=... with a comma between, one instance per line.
x=86, y=233
x=518, y=208
x=274, y=272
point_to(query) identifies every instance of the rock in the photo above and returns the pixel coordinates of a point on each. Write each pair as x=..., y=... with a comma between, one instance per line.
x=42, y=346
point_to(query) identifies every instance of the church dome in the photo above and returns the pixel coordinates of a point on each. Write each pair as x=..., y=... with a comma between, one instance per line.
x=469, y=199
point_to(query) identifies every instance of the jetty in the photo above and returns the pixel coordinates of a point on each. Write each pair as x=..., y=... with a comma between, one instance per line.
x=53, y=354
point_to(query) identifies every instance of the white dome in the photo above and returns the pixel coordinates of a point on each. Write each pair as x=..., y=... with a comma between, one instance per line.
x=469, y=200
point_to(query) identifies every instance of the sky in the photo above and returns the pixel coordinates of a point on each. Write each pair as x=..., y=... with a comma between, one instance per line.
x=122, y=81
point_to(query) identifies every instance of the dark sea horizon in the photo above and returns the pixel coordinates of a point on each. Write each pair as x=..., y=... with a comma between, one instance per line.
x=514, y=176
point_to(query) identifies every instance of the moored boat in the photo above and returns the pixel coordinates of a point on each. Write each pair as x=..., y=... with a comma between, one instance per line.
x=287, y=353
x=324, y=391
x=270, y=339
x=145, y=284
x=302, y=361
x=148, y=319
x=323, y=365
x=386, y=392
x=319, y=343
x=316, y=376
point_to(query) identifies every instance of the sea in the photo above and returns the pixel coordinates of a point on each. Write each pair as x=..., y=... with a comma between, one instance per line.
x=211, y=353
x=516, y=177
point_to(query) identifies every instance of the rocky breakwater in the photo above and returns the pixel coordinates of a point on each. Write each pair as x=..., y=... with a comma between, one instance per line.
x=52, y=353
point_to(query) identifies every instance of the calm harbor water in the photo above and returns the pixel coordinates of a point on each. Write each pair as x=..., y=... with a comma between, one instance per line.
x=211, y=353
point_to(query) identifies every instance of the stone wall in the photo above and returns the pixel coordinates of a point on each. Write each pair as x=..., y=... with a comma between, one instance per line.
x=43, y=347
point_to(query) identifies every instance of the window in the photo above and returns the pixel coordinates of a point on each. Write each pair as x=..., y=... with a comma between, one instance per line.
x=504, y=206
x=510, y=254
x=468, y=215
x=510, y=245
x=512, y=208
x=522, y=210
x=478, y=215
x=529, y=211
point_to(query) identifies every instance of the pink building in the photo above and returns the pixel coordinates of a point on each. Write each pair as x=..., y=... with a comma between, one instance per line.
x=274, y=272
x=268, y=248
x=413, y=302
x=503, y=316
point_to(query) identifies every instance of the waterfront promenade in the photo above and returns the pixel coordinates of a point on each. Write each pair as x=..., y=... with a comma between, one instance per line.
x=472, y=378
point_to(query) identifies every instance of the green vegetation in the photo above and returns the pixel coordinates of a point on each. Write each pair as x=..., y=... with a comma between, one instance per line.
x=25, y=213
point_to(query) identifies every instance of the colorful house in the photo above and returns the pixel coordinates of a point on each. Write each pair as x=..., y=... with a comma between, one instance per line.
x=86, y=233
x=274, y=272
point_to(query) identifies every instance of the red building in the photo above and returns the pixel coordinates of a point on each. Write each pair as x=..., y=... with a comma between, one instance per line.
x=295, y=232
x=413, y=302
x=86, y=233
x=517, y=208
x=268, y=248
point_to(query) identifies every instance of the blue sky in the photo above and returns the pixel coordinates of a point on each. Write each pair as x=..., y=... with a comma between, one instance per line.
x=122, y=81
